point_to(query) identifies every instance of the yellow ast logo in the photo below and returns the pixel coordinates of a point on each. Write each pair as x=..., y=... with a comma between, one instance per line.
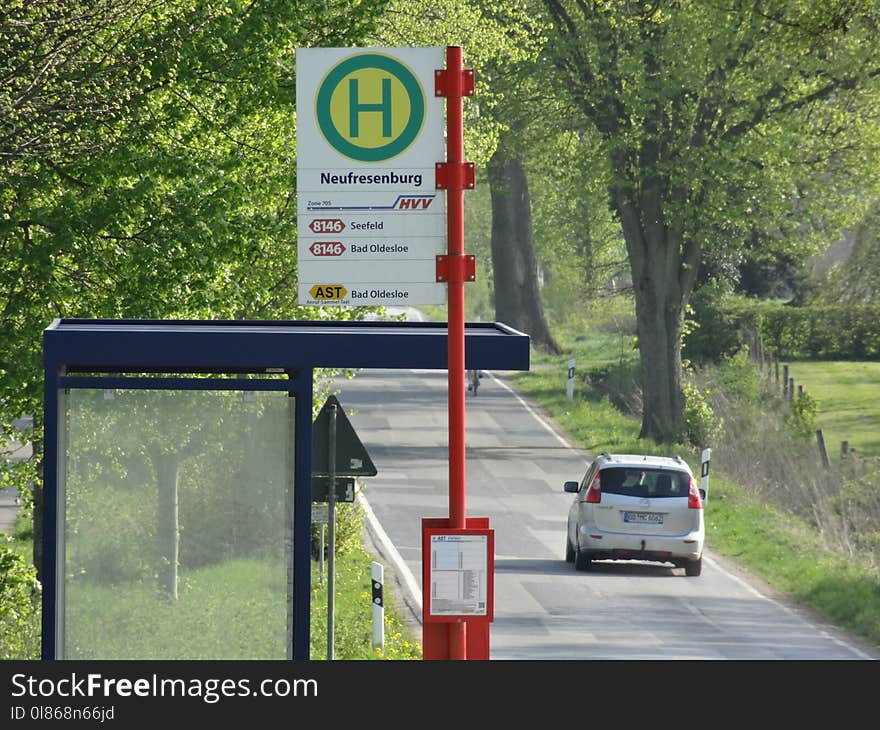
x=327, y=292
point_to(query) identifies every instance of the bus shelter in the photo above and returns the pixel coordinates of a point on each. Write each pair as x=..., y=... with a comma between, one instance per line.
x=177, y=476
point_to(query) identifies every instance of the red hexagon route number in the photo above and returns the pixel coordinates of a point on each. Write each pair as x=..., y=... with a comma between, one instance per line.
x=327, y=225
x=327, y=248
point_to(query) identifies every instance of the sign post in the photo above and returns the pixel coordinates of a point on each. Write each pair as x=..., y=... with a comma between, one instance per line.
x=331, y=562
x=460, y=630
x=336, y=452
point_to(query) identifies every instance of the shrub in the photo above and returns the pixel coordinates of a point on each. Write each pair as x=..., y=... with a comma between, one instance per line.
x=714, y=330
x=701, y=425
x=802, y=421
x=349, y=527
x=739, y=376
x=838, y=331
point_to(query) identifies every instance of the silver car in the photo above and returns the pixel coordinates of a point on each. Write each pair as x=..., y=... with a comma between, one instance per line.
x=636, y=507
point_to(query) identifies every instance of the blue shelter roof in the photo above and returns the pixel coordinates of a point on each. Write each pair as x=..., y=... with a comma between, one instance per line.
x=98, y=345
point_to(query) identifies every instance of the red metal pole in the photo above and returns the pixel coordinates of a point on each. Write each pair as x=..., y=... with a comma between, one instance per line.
x=455, y=252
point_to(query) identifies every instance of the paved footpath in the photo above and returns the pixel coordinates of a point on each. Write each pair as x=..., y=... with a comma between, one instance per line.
x=8, y=496
x=8, y=509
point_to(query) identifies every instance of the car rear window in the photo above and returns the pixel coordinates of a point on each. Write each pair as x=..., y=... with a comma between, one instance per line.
x=644, y=482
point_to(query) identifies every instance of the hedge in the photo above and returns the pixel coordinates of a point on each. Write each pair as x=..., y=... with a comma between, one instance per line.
x=826, y=332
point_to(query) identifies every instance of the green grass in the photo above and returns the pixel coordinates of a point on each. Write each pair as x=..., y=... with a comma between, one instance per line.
x=777, y=546
x=127, y=621
x=848, y=397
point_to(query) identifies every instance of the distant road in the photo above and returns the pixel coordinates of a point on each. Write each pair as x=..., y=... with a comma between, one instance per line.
x=544, y=609
x=8, y=496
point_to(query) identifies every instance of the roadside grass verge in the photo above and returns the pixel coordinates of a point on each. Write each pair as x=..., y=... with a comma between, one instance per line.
x=783, y=549
x=353, y=614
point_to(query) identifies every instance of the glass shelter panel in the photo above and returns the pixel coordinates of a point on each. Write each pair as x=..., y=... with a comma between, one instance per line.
x=176, y=520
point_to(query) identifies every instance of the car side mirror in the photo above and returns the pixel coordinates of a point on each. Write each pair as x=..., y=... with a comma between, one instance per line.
x=572, y=487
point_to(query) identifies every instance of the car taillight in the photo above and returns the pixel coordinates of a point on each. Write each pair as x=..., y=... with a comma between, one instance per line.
x=694, y=501
x=594, y=493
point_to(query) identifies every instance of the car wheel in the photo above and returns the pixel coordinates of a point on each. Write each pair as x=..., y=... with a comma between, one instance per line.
x=569, y=551
x=693, y=567
x=582, y=560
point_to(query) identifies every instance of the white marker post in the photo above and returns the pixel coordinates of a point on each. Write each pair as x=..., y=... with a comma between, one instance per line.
x=378, y=574
x=704, y=473
x=569, y=386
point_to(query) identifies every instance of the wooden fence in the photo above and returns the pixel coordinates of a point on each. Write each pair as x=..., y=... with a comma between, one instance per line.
x=783, y=380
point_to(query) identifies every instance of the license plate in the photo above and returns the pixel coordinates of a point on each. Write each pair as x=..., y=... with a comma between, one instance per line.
x=644, y=518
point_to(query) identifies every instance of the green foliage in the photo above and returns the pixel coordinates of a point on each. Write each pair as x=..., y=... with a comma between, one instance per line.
x=740, y=376
x=494, y=38
x=802, y=420
x=823, y=332
x=714, y=332
x=817, y=331
x=701, y=426
x=163, y=186
x=19, y=607
x=349, y=528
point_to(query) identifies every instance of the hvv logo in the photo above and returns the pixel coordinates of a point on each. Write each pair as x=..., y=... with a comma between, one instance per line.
x=413, y=202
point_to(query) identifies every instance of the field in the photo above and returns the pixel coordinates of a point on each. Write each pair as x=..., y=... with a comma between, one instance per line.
x=848, y=398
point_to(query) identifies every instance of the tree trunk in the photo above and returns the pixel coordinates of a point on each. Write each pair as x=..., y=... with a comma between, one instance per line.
x=663, y=268
x=517, y=296
x=168, y=524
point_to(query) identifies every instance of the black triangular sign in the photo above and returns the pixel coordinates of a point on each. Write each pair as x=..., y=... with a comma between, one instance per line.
x=352, y=459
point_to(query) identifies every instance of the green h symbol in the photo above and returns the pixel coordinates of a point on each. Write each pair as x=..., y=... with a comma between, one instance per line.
x=355, y=108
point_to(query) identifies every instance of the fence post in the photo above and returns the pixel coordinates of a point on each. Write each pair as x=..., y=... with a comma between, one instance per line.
x=777, y=372
x=785, y=381
x=844, y=448
x=823, y=452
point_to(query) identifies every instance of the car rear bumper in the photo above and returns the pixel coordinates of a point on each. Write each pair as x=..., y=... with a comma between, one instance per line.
x=618, y=546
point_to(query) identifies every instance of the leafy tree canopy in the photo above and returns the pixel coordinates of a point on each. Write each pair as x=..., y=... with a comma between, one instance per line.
x=147, y=163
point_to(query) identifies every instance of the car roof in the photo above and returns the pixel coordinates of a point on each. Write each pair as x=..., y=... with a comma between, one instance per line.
x=638, y=460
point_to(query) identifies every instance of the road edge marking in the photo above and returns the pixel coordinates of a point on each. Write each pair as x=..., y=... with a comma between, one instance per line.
x=393, y=555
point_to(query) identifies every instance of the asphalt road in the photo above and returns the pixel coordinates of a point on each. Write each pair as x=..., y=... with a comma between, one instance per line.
x=544, y=609
x=8, y=496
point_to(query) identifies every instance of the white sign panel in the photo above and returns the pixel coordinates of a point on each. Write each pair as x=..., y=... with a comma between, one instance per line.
x=370, y=131
x=459, y=575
